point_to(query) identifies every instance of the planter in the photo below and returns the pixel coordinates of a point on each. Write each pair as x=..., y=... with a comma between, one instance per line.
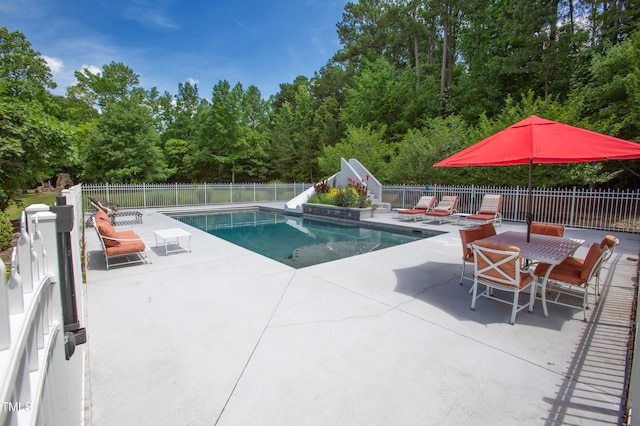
x=346, y=213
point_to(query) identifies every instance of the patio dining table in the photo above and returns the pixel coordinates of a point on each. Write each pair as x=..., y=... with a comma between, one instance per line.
x=541, y=248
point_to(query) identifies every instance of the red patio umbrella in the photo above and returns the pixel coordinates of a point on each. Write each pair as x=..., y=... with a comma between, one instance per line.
x=536, y=140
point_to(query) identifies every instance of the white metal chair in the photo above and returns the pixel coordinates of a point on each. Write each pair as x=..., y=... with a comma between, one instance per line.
x=468, y=236
x=499, y=267
x=610, y=242
x=571, y=278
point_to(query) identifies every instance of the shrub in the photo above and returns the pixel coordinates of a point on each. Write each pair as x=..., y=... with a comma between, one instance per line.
x=6, y=231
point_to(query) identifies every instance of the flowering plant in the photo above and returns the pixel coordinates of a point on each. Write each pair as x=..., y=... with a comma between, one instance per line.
x=354, y=195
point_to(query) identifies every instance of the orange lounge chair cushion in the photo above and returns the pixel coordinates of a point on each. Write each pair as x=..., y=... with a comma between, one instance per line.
x=412, y=211
x=106, y=230
x=126, y=247
x=439, y=213
x=100, y=215
x=482, y=216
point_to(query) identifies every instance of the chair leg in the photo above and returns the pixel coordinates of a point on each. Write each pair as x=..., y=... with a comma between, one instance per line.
x=585, y=303
x=462, y=275
x=475, y=293
x=514, y=308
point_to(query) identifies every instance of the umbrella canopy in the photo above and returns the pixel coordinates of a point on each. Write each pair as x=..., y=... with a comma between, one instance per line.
x=536, y=140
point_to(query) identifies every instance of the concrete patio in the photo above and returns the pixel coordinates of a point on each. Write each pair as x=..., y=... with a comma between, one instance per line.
x=225, y=336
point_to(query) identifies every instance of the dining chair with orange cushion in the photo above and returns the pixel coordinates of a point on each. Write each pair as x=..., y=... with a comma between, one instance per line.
x=468, y=236
x=547, y=229
x=572, y=276
x=610, y=242
x=499, y=266
x=488, y=230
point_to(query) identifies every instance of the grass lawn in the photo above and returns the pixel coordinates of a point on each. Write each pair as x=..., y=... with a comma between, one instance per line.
x=14, y=210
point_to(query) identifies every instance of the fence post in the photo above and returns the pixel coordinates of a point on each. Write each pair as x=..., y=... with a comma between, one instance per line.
x=573, y=206
x=5, y=332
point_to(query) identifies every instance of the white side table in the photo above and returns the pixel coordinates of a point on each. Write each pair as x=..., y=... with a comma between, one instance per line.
x=165, y=237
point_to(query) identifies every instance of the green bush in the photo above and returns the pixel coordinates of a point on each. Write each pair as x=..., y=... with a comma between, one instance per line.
x=6, y=231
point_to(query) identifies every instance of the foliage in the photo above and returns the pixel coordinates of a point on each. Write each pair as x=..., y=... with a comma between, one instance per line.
x=351, y=196
x=412, y=82
x=31, y=143
x=322, y=187
x=359, y=142
x=420, y=149
x=116, y=82
x=124, y=147
x=23, y=72
x=6, y=231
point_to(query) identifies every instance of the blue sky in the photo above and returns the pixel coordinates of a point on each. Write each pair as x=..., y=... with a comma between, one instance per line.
x=166, y=42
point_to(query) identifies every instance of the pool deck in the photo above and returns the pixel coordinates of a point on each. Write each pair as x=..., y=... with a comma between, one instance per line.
x=224, y=336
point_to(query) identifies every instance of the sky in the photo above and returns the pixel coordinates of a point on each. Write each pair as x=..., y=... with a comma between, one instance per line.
x=167, y=42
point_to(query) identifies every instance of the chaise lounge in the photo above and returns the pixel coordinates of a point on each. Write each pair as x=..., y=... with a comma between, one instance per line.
x=112, y=213
x=489, y=210
x=425, y=204
x=444, y=210
x=123, y=244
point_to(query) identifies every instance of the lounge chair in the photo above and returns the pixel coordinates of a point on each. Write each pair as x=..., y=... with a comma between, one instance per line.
x=425, y=204
x=489, y=210
x=500, y=267
x=445, y=209
x=114, y=213
x=123, y=244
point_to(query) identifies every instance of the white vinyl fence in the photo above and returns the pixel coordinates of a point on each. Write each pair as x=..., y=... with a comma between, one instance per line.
x=611, y=210
x=40, y=383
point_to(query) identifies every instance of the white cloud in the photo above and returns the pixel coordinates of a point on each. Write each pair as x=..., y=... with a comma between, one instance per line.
x=92, y=69
x=56, y=65
x=193, y=81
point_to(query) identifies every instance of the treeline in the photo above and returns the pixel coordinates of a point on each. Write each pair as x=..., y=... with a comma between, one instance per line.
x=413, y=82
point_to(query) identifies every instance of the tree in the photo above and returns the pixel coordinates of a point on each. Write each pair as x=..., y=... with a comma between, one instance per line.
x=23, y=72
x=31, y=143
x=124, y=147
x=116, y=82
x=382, y=95
x=280, y=150
x=362, y=143
x=419, y=149
x=187, y=104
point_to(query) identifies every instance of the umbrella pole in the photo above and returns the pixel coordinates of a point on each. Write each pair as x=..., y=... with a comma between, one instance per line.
x=529, y=216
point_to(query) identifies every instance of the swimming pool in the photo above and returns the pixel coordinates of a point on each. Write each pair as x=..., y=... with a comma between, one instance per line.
x=294, y=240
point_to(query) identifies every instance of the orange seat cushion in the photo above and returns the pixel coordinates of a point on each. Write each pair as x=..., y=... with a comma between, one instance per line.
x=126, y=247
x=413, y=211
x=482, y=216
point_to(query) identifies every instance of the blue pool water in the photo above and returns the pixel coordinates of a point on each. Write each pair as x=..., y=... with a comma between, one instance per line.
x=296, y=241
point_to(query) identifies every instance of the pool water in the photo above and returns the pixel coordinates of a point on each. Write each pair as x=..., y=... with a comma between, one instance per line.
x=296, y=241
